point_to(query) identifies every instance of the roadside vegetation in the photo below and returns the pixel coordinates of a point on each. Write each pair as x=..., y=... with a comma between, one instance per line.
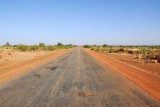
x=39, y=47
x=140, y=52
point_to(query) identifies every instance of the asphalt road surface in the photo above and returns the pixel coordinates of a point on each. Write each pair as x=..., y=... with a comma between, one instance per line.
x=74, y=79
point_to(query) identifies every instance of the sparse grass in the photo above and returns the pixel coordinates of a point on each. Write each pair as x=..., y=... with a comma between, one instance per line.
x=40, y=47
x=141, y=52
x=145, y=50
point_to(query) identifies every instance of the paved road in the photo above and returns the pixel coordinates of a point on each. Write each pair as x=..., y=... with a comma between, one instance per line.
x=74, y=79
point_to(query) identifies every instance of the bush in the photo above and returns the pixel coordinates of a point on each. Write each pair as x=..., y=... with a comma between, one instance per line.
x=34, y=47
x=23, y=48
x=111, y=50
x=60, y=44
x=103, y=50
x=145, y=50
x=92, y=48
x=68, y=46
x=105, y=45
x=7, y=44
x=51, y=48
x=87, y=46
x=41, y=45
x=98, y=48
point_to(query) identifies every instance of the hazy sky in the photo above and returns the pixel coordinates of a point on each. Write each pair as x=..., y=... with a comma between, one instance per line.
x=113, y=22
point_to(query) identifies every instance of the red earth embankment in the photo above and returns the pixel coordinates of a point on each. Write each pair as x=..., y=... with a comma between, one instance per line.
x=147, y=82
x=12, y=68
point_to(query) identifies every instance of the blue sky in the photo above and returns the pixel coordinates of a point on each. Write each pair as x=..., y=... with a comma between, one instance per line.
x=113, y=22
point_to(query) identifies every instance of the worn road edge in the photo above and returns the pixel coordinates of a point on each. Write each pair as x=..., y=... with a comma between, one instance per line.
x=147, y=82
x=26, y=65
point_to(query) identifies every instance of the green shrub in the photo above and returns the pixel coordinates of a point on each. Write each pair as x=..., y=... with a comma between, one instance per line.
x=23, y=48
x=41, y=45
x=87, y=46
x=145, y=50
x=103, y=50
x=98, y=48
x=34, y=47
x=111, y=50
x=105, y=45
x=51, y=48
x=68, y=46
x=60, y=44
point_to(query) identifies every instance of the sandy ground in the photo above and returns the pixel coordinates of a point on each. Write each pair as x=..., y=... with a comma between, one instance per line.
x=151, y=68
x=11, y=55
x=143, y=75
x=16, y=62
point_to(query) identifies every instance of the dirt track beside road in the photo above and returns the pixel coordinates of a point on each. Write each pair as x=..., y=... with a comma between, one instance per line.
x=11, y=68
x=148, y=82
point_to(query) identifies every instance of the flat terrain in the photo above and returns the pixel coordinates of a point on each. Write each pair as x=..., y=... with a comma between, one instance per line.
x=144, y=79
x=23, y=61
x=150, y=68
x=73, y=79
x=8, y=55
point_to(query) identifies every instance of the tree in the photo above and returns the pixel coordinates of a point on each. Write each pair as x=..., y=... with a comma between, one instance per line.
x=60, y=44
x=87, y=46
x=105, y=45
x=41, y=45
x=7, y=44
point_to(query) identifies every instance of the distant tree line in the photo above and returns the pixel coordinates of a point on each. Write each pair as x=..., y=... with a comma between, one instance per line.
x=41, y=47
x=143, y=49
